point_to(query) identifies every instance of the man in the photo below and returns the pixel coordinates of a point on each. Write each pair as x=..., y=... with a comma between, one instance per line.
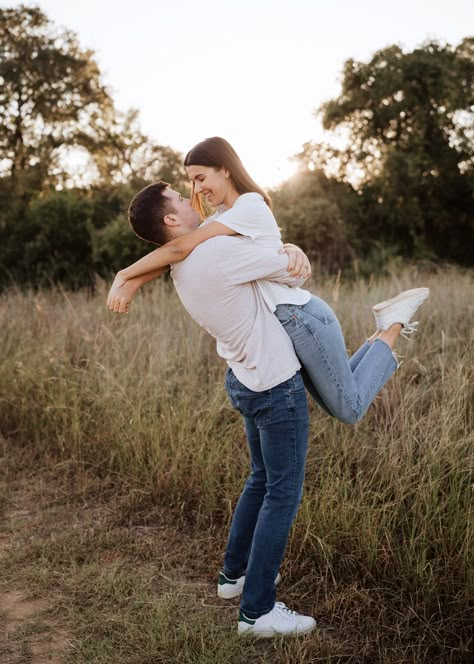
x=216, y=284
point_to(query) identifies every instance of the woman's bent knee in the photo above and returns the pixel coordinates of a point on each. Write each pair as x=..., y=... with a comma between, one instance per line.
x=348, y=415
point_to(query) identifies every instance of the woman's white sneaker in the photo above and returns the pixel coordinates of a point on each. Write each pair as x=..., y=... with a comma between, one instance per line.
x=230, y=588
x=280, y=621
x=400, y=309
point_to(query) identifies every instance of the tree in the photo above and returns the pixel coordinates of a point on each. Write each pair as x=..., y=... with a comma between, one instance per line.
x=123, y=153
x=50, y=91
x=52, y=244
x=310, y=208
x=412, y=102
x=52, y=103
x=115, y=246
x=408, y=121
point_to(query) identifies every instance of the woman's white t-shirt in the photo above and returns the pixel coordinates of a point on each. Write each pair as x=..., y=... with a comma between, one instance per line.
x=251, y=216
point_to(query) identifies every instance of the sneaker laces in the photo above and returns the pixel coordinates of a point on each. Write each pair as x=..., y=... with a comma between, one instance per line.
x=398, y=359
x=284, y=611
x=408, y=330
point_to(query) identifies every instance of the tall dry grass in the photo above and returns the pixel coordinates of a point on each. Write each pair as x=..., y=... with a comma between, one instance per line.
x=385, y=533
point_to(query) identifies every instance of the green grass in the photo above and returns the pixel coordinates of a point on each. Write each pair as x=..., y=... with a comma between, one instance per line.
x=120, y=429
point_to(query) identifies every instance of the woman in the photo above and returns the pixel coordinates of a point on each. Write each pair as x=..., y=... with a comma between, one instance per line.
x=343, y=387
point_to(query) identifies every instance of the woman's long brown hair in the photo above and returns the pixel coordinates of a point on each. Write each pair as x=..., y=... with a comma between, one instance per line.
x=217, y=153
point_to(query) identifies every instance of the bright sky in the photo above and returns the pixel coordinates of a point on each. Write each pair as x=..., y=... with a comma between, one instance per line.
x=252, y=71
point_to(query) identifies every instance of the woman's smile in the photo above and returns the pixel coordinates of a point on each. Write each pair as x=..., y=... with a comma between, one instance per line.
x=213, y=184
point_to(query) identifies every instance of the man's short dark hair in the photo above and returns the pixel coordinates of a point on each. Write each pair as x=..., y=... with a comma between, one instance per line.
x=147, y=211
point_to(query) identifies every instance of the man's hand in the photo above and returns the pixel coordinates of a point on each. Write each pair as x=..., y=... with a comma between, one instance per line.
x=121, y=294
x=298, y=263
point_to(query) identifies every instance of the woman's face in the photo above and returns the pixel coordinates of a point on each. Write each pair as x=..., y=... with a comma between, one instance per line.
x=215, y=185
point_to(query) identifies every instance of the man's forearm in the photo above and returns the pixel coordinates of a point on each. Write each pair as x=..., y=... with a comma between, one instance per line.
x=285, y=278
x=299, y=265
x=249, y=262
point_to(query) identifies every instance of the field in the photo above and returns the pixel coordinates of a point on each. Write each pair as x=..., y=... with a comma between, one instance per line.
x=122, y=459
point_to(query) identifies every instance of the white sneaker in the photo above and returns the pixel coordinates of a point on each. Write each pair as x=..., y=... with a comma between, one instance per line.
x=230, y=588
x=279, y=621
x=400, y=309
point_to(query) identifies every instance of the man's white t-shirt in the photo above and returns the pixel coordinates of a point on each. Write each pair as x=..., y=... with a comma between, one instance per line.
x=218, y=284
x=250, y=216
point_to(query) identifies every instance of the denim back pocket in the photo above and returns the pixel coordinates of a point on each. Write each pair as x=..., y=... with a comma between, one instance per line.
x=255, y=405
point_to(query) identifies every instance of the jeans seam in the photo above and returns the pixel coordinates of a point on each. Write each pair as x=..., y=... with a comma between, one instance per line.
x=324, y=356
x=381, y=373
x=283, y=526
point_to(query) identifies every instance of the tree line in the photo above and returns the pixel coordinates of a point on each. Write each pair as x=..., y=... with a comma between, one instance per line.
x=393, y=178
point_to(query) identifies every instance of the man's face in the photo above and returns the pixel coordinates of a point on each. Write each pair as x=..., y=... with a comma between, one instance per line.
x=188, y=219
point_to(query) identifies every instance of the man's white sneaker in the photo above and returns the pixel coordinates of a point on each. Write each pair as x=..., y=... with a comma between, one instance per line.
x=230, y=588
x=400, y=309
x=280, y=621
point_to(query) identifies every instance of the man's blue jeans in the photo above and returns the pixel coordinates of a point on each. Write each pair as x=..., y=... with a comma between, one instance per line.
x=276, y=423
x=344, y=387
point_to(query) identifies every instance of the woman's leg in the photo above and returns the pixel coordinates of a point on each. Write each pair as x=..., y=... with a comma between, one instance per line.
x=355, y=359
x=346, y=387
x=353, y=363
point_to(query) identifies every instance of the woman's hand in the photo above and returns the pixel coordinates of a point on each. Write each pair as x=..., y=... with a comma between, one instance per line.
x=298, y=263
x=121, y=294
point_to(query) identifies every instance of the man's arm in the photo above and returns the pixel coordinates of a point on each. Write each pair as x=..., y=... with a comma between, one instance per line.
x=251, y=217
x=243, y=260
x=298, y=262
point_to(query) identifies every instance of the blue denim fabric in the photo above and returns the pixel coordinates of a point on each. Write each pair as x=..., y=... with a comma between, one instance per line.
x=344, y=387
x=276, y=423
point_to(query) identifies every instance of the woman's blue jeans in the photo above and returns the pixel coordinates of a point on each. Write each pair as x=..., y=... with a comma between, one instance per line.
x=344, y=387
x=276, y=423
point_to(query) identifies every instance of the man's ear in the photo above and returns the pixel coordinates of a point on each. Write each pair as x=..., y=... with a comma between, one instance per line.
x=170, y=219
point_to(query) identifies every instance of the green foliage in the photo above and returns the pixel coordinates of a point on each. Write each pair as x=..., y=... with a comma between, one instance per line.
x=53, y=104
x=67, y=237
x=50, y=243
x=115, y=246
x=50, y=92
x=408, y=122
x=121, y=153
x=309, y=209
x=402, y=185
x=52, y=101
x=418, y=102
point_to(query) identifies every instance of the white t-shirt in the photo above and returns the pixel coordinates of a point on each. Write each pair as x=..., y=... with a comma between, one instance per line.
x=217, y=285
x=251, y=216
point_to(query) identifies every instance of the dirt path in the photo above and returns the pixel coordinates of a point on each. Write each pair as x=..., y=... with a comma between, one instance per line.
x=28, y=632
x=96, y=571
x=53, y=526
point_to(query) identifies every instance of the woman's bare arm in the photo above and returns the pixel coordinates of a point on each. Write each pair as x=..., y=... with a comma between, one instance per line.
x=174, y=251
x=122, y=292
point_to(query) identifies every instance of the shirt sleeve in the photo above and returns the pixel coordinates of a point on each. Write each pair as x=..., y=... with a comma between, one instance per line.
x=242, y=261
x=249, y=216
